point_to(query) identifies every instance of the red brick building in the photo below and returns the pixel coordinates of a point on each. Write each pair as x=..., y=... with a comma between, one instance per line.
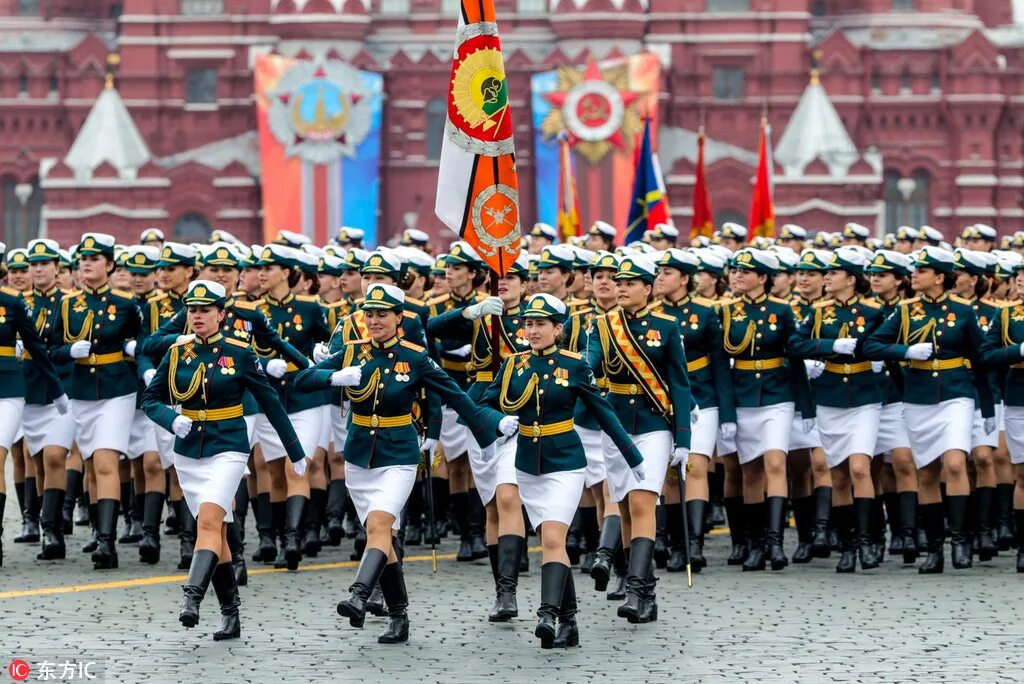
x=929, y=93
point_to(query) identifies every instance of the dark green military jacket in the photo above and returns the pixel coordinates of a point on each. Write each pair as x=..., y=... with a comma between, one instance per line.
x=380, y=428
x=14, y=324
x=300, y=321
x=43, y=308
x=706, y=361
x=1003, y=350
x=108, y=318
x=640, y=356
x=890, y=380
x=456, y=366
x=951, y=325
x=756, y=334
x=208, y=379
x=452, y=324
x=987, y=312
x=543, y=389
x=847, y=381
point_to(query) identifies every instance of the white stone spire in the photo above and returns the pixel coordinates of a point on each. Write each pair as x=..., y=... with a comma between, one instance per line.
x=815, y=131
x=108, y=135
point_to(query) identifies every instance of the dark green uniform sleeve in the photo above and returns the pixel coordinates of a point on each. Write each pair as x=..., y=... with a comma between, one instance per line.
x=35, y=346
x=481, y=420
x=450, y=324
x=679, y=386
x=977, y=349
x=156, y=398
x=802, y=345
x=995, y=355
x=882, y=345
x=720, y=368
x=156, y=344
x=317, y=378
x=267, y=338
x=588, y=393
x=270, y=401
x=803, y=400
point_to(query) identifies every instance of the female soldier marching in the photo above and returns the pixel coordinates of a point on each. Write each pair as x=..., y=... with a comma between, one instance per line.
x=208, y=377
x=542, y=387
x=382, y=450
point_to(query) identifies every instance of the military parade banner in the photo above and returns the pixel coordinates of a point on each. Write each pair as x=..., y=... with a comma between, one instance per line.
x=599, y=109
x=319, y=132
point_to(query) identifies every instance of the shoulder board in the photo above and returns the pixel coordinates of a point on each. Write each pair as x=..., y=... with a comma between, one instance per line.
x=413, y=300
x=246, y=304
x=413, y=346
x=912, y=300
x=1006, y=303
x=703, y=301
x=123, y=293
x=663, y=316
x=870, y=303
x=440, y=299
x=187, y=342
x=777, y=300
x=156, y=298
x=725, y=301
x=821, y=304
x=236, y=343
x=409, y=314
x=583, y=312
x=313, y=299
x=72, y=292
x=338, y=304
x=960, y=300
x=10, y=291
x=576, y=301
x=570, y=354
x=365, y=340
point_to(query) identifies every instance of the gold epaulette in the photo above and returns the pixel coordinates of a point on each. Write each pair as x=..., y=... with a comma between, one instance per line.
x=182, y=343
x=870, y=303
x=246, y=304
x=704, y=301
x=778, y=300
x=312, y=299
x=663, y=316
x=413, y=346
x=960, y=300
x=237, y=343
x=991, y=302
x=440, y=299
x=414, y=301
x=10, y=291
x=583, y=312
x=123, y=293
x=726, y=301
x=67, y=292
x=822, y=303
x=157, y=297
x=409, y=314
x=570, y=354
x=912, y=300
x=365, y=340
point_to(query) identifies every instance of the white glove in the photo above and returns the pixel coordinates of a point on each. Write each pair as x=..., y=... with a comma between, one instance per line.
x=922, y=351
x=509, y=425
x=147, y=377
x=181, y=426
x=276, y=368
x=347, y=377
x=300, y=467
x=320, y=352
x=808, y=425
x=814, y=368
x=694, y=415
x=845, y=345
x=640, y=472
x=990, y=426
x=81, y=349
x=182, y=339
x=680, y=456
x=428, y=445
x=491, y=305
x=62, y=404
x=1022, y=349
x=487, y=453
x=462, y=352
x=19, y=349
x=878, y=366
x=727, y=431
x=129, y=349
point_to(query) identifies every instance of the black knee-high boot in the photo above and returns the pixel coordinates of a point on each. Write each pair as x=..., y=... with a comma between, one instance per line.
x=641, y=554
x=803, y=514
x=696, y=511
x=441, y=494
x=337, y=493
x=734, y=511
x=1004, y=517
x=314, y=515
x=149, y=545
x=264, y=514
x=572, y=539
x=661, y=551
x=553, y=577
x=891, y=501
x=242, y=505
x=776, y=506
x=820, y=547
x=591, y=534
x=29, y=514
x=186, y=534
x=960, y=543
x=510, y=549
x=200, y=572
x=675, y=538
x=844, y=519
x=460, y=507
x=862, y=514
x=90, y=545
x=237, y=547
x=225, y=586
x=716, y=489
x=53, y=529
x=987, y=549
x=1017, y=514
x=908, y=525
x=105, y=555
x=127, y=537
x=877, y=533
x=755, y=518
x=568, y=633
x=278, y=517
x=370, y=569
x=392, y=585
x=414, y=516
x=73, y=488
x=933, y=523
x=3, y=504
x=607, y=544
x=295, y=508
x=477, y=524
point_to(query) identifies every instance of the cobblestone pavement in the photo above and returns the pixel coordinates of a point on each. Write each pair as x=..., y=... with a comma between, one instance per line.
x=803, y=624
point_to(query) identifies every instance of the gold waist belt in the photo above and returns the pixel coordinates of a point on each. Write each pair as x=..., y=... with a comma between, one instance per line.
x=697, y=364
x=939, y=364
x=101, y=359
x=758, y=364
x=548, y=430
x=376, y=421
x=210, y=415
x=454, y=365
x=848, y=368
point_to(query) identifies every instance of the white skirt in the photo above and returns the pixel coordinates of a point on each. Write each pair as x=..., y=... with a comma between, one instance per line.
x=165, y=444
x=937, y=428
x=44, y=426
x=848, y=431
x=762, y=429
x=704, y=433
x=455, y=437
x=500, y=470
x=11, y=411
x=1013, y=416
x=250, y=429
x=143, y=437
x=552, y=496
x=326, y=431
x=339, y=426
x=384, y=489
x=978, y=436
x=892, y=430
x=211, y=480
x=103, y=424
x=595, y=472
x=655, y=447
x=798, y=439
x=306, y=425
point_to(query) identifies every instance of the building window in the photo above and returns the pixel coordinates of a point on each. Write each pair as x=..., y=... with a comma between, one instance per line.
x=201, y=86
x=728, y=5
x=200, y=7
x=54, y=84
x=532, y=6
x=903, y=5
x=28, y=8
x=437, y=116
x=394, y=6
x=451, y=7
x=905, y=84
x=876, y=81
x=728, y=83
x=21, y=209
x=818, y=8
x=907, y=200
x=192, y=227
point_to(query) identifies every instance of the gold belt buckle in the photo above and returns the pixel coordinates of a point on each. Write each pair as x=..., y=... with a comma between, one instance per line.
x=536, y=430
x=374, y=420
x=633, y=389
x=935, y=364
x=202, y=414
x=92, y=359
x=757, y=364
x=846, y=368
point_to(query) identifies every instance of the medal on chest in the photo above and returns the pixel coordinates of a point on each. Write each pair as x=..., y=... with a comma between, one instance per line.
x=773, y=321
x=3, y=314
x=401, y=371
x=694, y=321
x=112, y=312
x=227, y=365
x=562, y=377
x=653, y=338
x=951, y=320
x=859, y=323
x=297, y=322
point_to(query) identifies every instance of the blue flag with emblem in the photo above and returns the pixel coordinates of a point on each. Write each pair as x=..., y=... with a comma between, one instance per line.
x=648, y=207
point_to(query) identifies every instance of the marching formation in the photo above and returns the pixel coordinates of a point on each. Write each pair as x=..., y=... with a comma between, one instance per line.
x=617, y=401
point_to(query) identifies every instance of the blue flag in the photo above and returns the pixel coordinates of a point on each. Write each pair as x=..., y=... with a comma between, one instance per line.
x=648, y=207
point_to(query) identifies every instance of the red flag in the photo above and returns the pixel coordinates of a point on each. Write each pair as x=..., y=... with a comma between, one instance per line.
x=762, y=210
x=478, y=186
x=568, y=200
x=703, y=218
